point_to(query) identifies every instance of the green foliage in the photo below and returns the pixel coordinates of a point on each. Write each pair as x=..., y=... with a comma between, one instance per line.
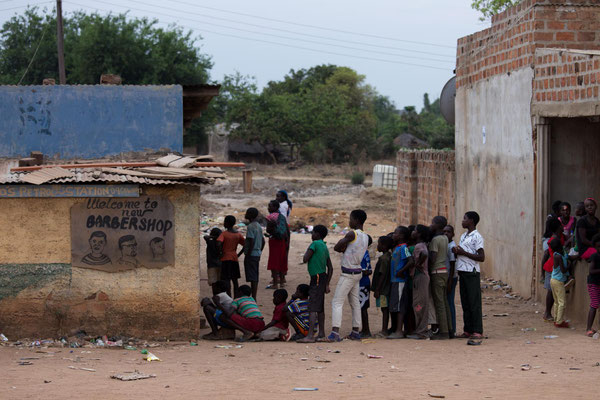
x=492, y=7
x=358, y=178
x=136, y=49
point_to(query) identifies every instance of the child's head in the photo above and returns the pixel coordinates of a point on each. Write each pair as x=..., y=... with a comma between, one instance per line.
x=423, y=233
x=470, y=220
x=385, y=244
x=556, y=207
x=215, y=233
x=590, y=206
x=357, y=219
x=565, y=209
x=319, y=232
x=401, y=235
x=580, y=209
x=449, y=232
x=553, y=226
x=251, y=214
x=280, y=296
x=302, y=291
x=438, y=223
x=221, y=287
x=556, y=245
x=244, y=290
x=596, y=242
x=273, y=206
x=281, y=196
x=229, y=222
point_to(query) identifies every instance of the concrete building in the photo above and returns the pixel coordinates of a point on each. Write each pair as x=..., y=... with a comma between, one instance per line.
x=527, y=131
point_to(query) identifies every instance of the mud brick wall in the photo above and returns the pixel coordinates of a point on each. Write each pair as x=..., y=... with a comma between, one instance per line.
x=426, y=182
x=510, y=43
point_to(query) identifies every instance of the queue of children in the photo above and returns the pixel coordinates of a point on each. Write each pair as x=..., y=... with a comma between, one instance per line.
x=568, y=239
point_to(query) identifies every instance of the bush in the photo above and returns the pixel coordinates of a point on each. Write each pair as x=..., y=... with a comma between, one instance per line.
x=357, y=178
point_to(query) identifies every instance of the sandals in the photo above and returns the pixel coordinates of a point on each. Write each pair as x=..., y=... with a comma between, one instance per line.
x=590, y=333
x=464, y=335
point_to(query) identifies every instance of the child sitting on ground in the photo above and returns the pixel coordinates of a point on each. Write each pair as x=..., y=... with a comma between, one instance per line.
x=320, y=271
x=228, y=242
x=278, y=327
x=297, y=312
x=243, y=314
x=213, y=258
x=381, y=281
x=213, y=314
x=557, y=282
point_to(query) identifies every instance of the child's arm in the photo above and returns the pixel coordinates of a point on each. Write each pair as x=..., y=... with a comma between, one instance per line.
x=479, y=256
x=409, y=264
x=329, y=274
x=594, y=267
x=248, y=246
x=309, y=253
x=559, y=261
x=242, y=242
x=341, y=246
x=544, y=259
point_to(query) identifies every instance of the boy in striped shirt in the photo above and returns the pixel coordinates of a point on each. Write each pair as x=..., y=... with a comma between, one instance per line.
x=243, y=314
x=297, y=312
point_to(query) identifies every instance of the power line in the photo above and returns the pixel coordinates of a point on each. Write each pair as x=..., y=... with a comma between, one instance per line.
x=34, y=53
x=35, y=4
x=313, y=26
x=287, y=37
x=283, y=30
x=293, y=46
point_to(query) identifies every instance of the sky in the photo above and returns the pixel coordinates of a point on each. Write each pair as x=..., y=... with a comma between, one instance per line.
x=404, y=48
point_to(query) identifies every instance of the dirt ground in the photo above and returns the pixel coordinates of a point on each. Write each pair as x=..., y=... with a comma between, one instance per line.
x=515, y=362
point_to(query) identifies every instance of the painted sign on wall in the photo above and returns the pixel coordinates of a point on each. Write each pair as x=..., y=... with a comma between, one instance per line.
x=114, y=235
x=75, y=190
x=90, y=121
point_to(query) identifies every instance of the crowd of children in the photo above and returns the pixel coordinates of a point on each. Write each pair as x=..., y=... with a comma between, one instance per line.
x=413, y=283
x=566, y=240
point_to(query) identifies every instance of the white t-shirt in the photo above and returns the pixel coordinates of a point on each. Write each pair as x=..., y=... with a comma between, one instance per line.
x=451, y=257
x=470, y=242
x=224, y=299
x=284, y=210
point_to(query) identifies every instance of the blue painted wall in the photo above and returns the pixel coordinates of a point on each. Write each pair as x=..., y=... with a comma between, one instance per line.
x=89, y=121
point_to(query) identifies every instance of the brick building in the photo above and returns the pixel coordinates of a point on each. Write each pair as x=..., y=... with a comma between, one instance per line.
x=527, y=131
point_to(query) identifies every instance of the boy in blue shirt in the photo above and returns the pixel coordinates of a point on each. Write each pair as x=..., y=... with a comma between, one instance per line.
x=401, y=261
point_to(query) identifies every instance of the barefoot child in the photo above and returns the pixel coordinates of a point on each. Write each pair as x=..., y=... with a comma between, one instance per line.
x=228, y=243
x=213, y=258
x=593, y=284
x=381, y=280
x=213, y=314
x=320, y=271
x=243, y=314
x=297, y=312
x=401, y=262
x=353, y=247
x=557, y=282
x=278, y=327
x=253, y=248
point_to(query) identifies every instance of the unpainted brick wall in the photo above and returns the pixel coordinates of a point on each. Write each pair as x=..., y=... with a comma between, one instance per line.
x=566, y=76
x=510, y=43
x=426, y=182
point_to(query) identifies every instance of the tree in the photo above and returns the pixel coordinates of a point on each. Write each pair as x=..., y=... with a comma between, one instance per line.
x=136, y=49
x=491, y=7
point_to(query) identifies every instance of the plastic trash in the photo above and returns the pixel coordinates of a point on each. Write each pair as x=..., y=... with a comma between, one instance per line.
x=596, y=336
x=528, y=329
x=3, y=338
x=144, y=351
x=129, y=348
x=137, y=375
x=151, y=357
x=100, y=343
x=373, y=356
x=193, y=344
x=301, y=389
x=550, y=336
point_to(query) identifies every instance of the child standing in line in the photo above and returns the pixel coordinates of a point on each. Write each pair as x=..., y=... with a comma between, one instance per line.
x=453, y=274
x=298, y=314
x=420, y=280
x=253, y=248
x=365, y=292
x=320, y=270
x=278, y=230
x=401, y=262
x=587, y=227
x=553, y=230
x=557, y=282
x=381, y=280
x=593, y=284
x=228, y=242
x=213, y=259
x=278, y=327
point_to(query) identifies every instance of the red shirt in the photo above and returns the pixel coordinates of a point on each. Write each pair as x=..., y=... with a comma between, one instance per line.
x=280, y=317
x=230, y=242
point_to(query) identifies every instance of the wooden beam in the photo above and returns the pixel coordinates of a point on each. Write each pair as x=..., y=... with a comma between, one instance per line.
x=124, y=164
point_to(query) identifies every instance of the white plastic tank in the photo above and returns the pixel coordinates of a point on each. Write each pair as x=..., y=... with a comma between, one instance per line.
x=385, y=176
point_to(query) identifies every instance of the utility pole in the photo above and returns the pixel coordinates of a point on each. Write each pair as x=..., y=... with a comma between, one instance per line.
x=59, y=40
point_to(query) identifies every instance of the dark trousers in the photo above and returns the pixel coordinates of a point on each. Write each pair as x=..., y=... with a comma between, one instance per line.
x=470, y=298
x=451, y=294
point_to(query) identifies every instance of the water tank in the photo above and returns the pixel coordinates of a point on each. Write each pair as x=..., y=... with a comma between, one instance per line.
x=385, y=176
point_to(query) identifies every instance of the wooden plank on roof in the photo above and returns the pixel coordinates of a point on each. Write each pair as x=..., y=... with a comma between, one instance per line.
x=152, y=175
x=44, y=175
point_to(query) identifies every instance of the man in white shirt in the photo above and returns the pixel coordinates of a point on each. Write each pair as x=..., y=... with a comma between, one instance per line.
x=469, y=253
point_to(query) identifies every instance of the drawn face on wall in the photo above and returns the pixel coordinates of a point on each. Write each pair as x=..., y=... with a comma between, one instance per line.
x=97, y=245
x=129, y=248
x=157, y=247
